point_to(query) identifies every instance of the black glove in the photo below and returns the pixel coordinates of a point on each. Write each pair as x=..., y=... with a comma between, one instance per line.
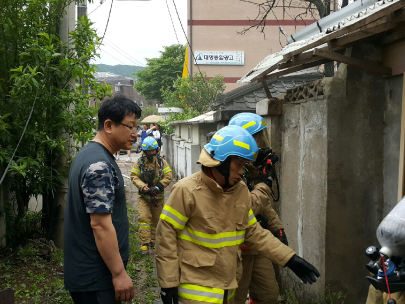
x=169, y=295
x=305, y=271
x=160, y=186
x=280, y=234
x=155, y=190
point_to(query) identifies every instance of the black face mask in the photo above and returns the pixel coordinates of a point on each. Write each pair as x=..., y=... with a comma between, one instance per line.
x=150, y=158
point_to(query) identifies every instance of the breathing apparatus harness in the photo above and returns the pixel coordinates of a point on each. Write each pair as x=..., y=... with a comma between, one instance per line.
x=149, y=176
x=388, y=272
x=265, y=163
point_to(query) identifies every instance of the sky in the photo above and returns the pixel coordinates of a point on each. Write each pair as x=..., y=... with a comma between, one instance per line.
x=137, y=29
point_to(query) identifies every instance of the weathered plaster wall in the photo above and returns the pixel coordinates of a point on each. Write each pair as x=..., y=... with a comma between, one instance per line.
x=303, y=191
x=338, y=166
x=355, y=179
x=392, y=133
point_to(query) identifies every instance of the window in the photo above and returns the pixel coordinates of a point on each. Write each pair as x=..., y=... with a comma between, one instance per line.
x=118, y=87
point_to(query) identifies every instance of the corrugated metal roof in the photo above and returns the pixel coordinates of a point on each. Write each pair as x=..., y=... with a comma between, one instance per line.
x=274, y=59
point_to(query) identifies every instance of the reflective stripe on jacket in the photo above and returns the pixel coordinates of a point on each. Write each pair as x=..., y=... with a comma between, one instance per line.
x=199, y=234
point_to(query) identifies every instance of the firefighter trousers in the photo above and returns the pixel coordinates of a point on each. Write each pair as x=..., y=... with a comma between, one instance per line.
x=258, y=279
x=378, y=297
x=148, y=218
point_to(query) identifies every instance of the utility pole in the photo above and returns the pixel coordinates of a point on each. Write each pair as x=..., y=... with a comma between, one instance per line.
x=82, y=8
x=67, y=25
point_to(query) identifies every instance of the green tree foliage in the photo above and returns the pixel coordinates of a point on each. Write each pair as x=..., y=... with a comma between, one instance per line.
x=194, y=95
x=149, y=110
x=120, y=69
x=161, y=72
x=35, y=66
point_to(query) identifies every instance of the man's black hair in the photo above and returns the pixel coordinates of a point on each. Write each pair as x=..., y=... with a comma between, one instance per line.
x=116, y=108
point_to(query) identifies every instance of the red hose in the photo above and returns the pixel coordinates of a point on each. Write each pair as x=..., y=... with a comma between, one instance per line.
x=386, y=279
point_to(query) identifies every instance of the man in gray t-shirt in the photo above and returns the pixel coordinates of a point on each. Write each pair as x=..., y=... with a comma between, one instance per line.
x=96, y=227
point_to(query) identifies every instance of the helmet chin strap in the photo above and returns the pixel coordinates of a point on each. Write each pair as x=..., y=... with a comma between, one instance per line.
x=224, y=168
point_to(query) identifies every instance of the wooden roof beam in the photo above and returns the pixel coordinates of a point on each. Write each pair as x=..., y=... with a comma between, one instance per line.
x=400, y=34
x=290, y=64
x=296, y=69
x=360, y=63
x=266, y=89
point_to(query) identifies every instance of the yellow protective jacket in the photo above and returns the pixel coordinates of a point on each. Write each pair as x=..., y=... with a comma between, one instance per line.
x=199, y=234
x=261, y=204
x=165, y=178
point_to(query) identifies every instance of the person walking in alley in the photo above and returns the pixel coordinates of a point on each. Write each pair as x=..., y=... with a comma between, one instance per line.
x=157, y=135
x=258, y=278
x=96, y=226
x=144, y=132
x=206, y=219
x=150, y=174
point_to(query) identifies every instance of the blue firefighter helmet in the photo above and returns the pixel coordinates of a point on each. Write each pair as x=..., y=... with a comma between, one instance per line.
x=149, y=143
x=232, y=141
x=251, y=122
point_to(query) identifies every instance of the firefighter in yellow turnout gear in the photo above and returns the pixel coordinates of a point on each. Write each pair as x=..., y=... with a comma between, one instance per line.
x=205, y=220
x=258, y=278
x=150, y=174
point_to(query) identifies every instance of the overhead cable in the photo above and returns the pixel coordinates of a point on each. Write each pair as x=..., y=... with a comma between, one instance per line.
x=185, y=35
x=123, y=53
x=18, y=144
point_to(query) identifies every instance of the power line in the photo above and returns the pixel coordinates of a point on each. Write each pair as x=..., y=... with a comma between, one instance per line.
x=178, y=42
x=18, y=144
x=122, y=54
x=118, y=49
x=192, y=53
x=113, y=57
x=108, y=20
x=96, y=8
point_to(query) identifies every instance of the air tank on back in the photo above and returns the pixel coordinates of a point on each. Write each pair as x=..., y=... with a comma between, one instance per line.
x=391, y=232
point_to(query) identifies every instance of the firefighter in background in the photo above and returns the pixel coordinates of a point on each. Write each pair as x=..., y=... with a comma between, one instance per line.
x=204, y=221
x=258, y=278
x=150, y=174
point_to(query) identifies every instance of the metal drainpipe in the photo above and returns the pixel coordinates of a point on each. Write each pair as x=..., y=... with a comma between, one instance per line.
x=191, y=39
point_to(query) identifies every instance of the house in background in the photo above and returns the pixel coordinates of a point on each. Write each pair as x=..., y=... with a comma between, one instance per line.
x=165, y=112
x=124, y=85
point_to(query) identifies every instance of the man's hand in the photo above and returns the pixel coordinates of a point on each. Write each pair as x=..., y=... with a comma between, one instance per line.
x=280, y=234
x=123, y=286
x=145, y=189
x=305, y=271
x=169, y=295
